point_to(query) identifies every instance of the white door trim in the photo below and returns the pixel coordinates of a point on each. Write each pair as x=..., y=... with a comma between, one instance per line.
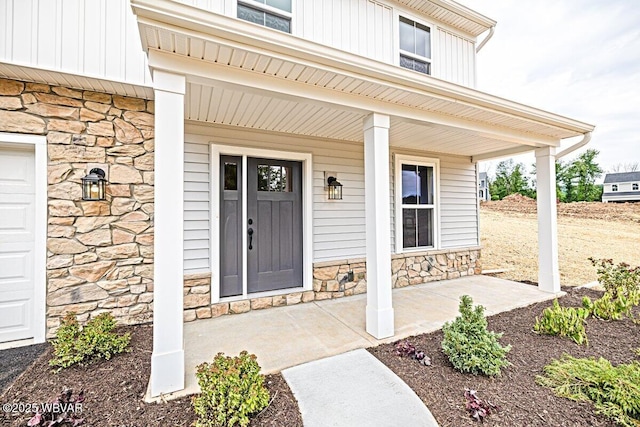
x=218, y=149
x=40, y=252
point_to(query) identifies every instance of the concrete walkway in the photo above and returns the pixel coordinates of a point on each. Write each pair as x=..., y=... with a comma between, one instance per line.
x=355, y=389
x=288, y=336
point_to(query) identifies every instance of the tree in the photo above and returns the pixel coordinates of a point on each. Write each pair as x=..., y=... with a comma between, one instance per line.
x=584, y=171
x=510, y=179
x=626, y=167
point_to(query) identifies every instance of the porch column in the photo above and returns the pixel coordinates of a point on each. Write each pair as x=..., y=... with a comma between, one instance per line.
x=378, y=226
x=548, y=270
x=167, y=360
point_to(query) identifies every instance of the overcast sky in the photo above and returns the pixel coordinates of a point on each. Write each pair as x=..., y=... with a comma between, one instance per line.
x=576, y=58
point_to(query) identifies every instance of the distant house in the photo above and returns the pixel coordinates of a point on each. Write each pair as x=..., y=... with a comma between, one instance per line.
x=483, y=187
x=621, y=187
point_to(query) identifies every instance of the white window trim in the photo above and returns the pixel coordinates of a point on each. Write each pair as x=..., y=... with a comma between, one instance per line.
x=39, y=142
x=397, y=51
x=269, y=9
x=400, y=159
x=218, y=150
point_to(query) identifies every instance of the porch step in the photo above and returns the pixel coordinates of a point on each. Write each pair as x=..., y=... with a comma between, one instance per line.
x=355, y=389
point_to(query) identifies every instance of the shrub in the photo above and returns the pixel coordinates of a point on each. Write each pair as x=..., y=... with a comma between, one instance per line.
x=468, y=344
x=231, y=389
x=96, y=340
x=564, y=321
x=614, y=390
x=478, y=409
x=404, y=348
x=622, y=290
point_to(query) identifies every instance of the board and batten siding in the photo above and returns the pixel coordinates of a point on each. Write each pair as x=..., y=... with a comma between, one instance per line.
x=196, y=207
x=338, y=226
x=97, y=38
x=454, y=58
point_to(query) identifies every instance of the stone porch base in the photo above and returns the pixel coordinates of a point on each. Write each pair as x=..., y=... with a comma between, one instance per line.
x=331, y=280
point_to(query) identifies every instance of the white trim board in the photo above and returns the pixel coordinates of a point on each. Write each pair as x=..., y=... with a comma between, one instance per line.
x=39, y=142
x=219, y=148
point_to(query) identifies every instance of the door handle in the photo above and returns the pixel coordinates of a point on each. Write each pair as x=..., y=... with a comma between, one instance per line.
x=250, y=232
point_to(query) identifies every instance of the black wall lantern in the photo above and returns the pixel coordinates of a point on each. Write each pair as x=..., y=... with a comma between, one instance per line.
x=335, y=188
x=93, y=185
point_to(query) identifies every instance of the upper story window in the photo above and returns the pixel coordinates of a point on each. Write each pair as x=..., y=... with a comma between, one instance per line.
x=274, y=14
x=614, y=187
x=415, y=46
x=634, y=186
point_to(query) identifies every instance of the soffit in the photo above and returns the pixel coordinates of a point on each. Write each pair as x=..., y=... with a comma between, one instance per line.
x=453, y=14
x=73, y=81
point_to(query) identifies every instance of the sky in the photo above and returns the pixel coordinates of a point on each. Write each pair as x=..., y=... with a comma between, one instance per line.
x=576, y=58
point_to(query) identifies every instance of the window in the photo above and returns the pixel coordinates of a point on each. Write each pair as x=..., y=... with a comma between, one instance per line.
x=416, y=203
x=634, y=186
x=614, y=187
x=274, y=14
x=415, y=46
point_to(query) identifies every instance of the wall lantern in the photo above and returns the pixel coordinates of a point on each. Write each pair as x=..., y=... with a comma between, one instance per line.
x=335, y=188
x=93, y=185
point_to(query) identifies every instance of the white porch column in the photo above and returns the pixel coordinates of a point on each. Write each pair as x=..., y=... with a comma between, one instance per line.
x=378, y=226
x=548, y=270
x=167, y=360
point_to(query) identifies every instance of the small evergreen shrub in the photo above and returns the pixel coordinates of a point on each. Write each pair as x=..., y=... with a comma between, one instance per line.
x=97, y=340
x=622, y=290
x=614, y=390
x=564, y=321
x=231, y=389
x=468, y=344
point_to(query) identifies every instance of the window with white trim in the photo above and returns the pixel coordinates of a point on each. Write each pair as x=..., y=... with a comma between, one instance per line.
x=415, y=46
x=614, y=187
x=416, y=203
x=635, y=186
x=274, y=14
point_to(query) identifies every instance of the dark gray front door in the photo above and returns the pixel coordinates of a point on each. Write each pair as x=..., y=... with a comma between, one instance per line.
x=274, y=224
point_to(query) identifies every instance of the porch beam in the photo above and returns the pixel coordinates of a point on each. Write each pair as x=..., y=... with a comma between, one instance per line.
x=548, y=269
x=167, y=359
x=379, y=313
x=213, y=74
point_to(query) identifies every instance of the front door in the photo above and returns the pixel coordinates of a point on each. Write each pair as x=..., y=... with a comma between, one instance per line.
x=273, y=245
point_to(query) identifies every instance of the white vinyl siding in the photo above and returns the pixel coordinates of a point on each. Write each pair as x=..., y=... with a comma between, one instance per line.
x=458, y=204
x=96, y=38
x=338, y=225
x=196, y=207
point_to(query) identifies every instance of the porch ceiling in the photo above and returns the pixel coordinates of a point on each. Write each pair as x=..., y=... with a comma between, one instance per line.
x=245, y=75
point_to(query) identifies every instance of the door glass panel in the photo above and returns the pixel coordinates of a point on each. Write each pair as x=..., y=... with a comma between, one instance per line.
x=274, y=178
x=230, y=176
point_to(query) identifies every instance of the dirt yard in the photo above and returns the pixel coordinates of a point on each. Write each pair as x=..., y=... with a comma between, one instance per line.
x=509, y=231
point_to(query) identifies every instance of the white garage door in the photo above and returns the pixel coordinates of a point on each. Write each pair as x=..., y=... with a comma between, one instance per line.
x=17, y=243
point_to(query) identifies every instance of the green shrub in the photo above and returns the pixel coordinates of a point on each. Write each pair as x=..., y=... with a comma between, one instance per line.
x=468, y=344
x=96, y=340
x=622, y=290
x=614, y=390
x=564, y=321
x=231, y=389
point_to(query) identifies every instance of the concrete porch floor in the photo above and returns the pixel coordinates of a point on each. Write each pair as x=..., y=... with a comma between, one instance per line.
x=287, y=336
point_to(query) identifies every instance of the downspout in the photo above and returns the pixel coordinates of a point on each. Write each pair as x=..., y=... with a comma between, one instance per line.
x=486, y=39
x=585, y=140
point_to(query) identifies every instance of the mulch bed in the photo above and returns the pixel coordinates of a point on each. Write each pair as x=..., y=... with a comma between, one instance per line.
x=522, y=401
x=115, y=390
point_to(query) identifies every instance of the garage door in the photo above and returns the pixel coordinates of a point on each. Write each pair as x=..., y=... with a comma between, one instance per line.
x=17, y=241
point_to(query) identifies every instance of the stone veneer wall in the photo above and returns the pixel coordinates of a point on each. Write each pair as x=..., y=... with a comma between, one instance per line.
x=99, y=254
x=330, y=281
